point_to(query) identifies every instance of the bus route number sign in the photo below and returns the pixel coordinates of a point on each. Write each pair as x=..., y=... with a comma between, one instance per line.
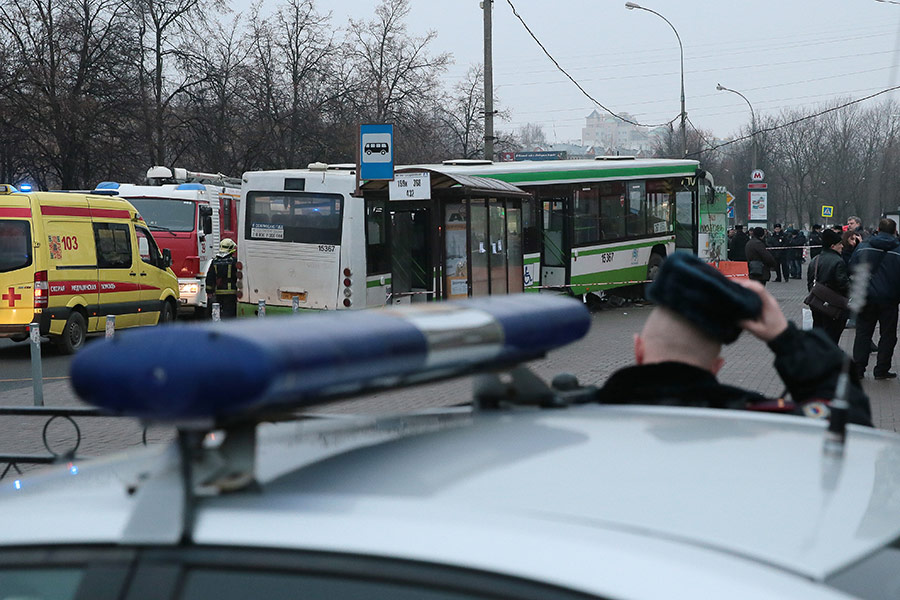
x=410, y=186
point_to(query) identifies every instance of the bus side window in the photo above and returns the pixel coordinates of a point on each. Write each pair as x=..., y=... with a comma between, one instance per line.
x=531, y=226
x=377, y=252
x=636, y=205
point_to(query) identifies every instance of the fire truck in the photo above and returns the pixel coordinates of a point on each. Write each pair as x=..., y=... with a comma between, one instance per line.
x=189, y=213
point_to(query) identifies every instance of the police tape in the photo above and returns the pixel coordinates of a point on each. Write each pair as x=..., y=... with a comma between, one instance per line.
x=588, y=286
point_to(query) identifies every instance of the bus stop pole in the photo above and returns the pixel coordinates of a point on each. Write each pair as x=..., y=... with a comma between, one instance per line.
x=37, y=377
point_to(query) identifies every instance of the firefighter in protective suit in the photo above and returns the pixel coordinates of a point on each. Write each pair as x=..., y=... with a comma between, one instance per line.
x=221, y=280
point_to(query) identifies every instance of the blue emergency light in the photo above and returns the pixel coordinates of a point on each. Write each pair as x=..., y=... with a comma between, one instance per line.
x=25, y=187
x=232, y=369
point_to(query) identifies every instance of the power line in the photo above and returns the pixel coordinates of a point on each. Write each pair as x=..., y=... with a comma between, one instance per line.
x=801, y=119
x=572, y=79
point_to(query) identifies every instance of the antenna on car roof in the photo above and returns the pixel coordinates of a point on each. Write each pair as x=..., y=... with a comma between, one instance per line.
x=839, y=407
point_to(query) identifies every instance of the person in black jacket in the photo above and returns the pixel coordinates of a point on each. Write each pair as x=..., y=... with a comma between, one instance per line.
x=221, y=279
x=797, y=243
x=737, y=243
x=756, y=253
x=815, y=240
x=882, y=253
x=678, y=352
x=777, y=243
x=828, y=268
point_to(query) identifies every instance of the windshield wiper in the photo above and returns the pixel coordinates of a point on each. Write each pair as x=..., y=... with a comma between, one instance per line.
x=160, y=228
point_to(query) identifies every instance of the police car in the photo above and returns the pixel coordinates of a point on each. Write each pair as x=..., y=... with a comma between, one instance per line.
x=533, y=491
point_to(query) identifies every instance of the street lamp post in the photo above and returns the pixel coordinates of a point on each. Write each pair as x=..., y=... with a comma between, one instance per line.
x=633, y=6
x=721, y=87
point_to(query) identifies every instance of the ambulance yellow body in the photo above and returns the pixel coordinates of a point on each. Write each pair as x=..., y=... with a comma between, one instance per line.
x=69, y=260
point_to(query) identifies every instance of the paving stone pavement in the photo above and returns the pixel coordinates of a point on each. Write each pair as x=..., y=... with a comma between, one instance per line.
x=606, y=348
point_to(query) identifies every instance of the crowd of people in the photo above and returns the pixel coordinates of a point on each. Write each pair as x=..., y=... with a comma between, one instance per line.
x=834, y=255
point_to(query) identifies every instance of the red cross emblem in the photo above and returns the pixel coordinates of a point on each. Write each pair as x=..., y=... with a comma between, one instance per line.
x=12, y=296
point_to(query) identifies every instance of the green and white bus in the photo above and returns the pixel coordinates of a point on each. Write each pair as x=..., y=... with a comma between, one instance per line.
x=595, y=225
x=320, y=239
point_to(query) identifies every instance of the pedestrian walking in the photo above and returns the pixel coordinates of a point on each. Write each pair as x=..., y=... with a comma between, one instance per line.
x=881, y=253
x=828, y=269
x=221, y=280
x=678, y=352
x=777, y=244
x=737, y=243
x=760, y=262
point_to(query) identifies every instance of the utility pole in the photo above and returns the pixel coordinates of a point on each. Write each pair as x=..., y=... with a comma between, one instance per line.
x=486, y=5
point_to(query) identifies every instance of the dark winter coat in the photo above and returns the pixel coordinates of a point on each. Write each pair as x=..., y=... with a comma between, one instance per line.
x=756, y=250
x=882, y=253
x=808, y=362
x=736, y=246
x=829, y=268
x=815, y=239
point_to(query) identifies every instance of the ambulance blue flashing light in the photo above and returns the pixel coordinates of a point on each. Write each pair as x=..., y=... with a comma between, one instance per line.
x=228, y=370
x=190, y=186
x=25, y=187
x=107, y=185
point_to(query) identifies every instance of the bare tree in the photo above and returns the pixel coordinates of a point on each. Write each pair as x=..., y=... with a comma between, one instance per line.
x=68, y=55
x=395, y=78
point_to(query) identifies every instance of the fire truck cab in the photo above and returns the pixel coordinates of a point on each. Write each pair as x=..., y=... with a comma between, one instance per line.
x=189, y=213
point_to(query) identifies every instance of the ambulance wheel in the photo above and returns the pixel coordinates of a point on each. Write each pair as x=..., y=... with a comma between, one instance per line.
x=167, y=314
x=73, y=335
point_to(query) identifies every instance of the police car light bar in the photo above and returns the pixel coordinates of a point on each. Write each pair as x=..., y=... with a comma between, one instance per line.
x=228, y=370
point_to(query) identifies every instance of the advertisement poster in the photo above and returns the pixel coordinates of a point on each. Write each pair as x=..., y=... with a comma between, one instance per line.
x=758, y=205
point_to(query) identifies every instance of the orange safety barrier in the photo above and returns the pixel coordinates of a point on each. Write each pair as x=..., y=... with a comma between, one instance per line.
x=731, y=268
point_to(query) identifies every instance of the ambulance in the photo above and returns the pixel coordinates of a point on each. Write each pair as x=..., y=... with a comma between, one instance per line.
x=68, y=260
x=189, y=213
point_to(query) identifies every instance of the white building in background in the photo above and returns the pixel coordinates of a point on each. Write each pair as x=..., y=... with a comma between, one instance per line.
x=614, y=136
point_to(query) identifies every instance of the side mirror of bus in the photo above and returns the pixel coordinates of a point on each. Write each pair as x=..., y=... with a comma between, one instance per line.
x=167, y=258
x=207, y=225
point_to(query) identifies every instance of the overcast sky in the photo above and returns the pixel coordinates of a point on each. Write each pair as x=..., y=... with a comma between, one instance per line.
x=781, y=54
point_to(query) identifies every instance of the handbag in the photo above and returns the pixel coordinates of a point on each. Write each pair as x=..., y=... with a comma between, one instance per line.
x=756, y=269
x=822, y=299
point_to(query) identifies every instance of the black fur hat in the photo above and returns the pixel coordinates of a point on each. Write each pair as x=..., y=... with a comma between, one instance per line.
x=703, y=296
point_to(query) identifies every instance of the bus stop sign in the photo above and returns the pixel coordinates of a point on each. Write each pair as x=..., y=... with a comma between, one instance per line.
x=376, y=152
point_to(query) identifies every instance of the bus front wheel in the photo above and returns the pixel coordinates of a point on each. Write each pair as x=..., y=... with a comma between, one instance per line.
x=653, y=266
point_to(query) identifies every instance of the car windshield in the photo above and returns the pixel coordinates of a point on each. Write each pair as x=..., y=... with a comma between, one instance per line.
x=165, y=213
x=15, y=245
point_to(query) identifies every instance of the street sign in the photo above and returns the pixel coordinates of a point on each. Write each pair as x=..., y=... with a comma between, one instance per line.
x=410, y=186
x=827, y=211
x=757, y=186
x=758, y=205
x=376, y=152
x=729, y=198
x=730, y=211
x=757, y=175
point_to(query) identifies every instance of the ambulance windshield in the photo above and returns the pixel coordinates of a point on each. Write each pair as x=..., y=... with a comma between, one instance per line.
x=165, y=213
x=15, y=245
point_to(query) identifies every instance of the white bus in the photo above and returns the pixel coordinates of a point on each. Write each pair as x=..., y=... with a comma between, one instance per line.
x=578, y=226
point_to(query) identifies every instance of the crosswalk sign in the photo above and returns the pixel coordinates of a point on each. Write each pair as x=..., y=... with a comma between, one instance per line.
x=827, y=211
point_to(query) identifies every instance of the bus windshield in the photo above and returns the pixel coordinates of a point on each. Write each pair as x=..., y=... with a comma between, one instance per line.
x=165, y=213
x=300, y=217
